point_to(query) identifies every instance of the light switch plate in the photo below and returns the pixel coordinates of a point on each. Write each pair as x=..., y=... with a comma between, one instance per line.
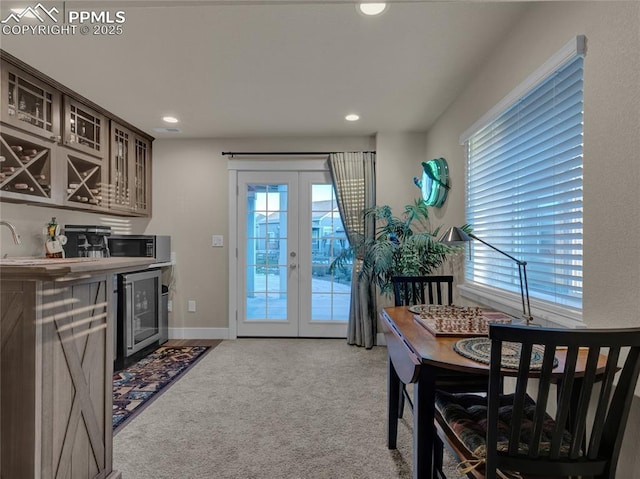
x=217, y=241
x=191, y=306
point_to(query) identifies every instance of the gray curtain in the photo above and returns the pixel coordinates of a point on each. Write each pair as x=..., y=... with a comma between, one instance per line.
x=353, y=177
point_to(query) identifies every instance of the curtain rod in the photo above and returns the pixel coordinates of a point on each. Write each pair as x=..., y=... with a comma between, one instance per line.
x=282, y=153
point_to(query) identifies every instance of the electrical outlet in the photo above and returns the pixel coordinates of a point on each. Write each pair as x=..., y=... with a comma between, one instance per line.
x=170, y=305
x=217, y=241
x=191, y=307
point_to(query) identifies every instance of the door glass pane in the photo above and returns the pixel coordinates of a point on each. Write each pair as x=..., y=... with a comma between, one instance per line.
x=145, y=309
x=330, y=293
x=266, y=250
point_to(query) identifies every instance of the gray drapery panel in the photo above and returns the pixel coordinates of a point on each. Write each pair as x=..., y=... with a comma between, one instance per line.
x=353, y=177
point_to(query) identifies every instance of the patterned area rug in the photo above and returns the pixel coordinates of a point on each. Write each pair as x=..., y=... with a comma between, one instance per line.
x=136, y=386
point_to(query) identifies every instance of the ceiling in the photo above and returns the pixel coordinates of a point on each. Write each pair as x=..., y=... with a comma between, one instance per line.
x=272, y=68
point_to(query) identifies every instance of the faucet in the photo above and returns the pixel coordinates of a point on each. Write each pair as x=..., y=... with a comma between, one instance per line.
x=14, y=233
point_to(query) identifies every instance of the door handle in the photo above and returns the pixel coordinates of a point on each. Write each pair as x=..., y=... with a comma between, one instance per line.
x=293, y=266
x=129, y=314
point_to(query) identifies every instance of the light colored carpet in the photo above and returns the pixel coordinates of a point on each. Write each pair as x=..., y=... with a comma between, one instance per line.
x=271, y=408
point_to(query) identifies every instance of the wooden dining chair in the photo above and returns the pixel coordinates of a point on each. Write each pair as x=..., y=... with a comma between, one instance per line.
x=517, y=435
x=412, y=290
x=436, y=290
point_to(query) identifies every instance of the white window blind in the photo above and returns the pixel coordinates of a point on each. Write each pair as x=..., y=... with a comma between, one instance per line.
x=524, y=191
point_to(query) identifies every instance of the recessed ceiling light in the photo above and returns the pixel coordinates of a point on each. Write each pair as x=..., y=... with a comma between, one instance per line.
x=352, y=117
x=372, y=8
x=170, y=119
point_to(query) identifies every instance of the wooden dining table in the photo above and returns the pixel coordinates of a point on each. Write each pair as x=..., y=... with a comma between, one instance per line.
x=418, y=357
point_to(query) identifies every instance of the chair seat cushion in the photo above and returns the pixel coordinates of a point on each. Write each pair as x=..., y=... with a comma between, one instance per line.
x=466, y=416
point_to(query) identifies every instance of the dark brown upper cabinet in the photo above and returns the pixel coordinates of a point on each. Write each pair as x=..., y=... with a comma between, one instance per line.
x=29, y=104
x=59, y=149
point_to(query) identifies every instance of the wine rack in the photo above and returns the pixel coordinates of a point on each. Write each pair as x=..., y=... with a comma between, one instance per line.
x=25, y=167
x=85, y=185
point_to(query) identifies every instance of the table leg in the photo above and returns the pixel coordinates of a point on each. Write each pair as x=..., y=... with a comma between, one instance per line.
x=393, y=400
x=423, y=427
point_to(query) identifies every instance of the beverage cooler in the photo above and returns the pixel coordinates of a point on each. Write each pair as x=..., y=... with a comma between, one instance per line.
x=139, y=314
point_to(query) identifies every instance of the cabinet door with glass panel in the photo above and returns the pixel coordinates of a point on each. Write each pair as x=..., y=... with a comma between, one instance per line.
x=130, y=182
x=85, y=153
x=84, y=129
x=29, y=104
x=140, y=181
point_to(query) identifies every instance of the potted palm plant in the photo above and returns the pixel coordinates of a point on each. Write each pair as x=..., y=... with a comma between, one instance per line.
x=402, y=246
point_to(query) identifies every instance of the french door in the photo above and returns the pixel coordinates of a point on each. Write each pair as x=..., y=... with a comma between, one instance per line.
x=289, y=232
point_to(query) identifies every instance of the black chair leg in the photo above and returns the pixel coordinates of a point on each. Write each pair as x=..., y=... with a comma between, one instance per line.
x=401, y=400
x=438, y=457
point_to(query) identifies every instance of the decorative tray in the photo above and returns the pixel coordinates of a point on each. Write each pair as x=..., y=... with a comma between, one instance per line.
x=457, y=321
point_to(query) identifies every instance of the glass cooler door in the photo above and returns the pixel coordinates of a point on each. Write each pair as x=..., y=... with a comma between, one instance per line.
x=143, y=308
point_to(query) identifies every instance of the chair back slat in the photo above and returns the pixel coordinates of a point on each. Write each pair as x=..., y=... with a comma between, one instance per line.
x=606, y=386
x=437, y=298
x=412, y=290
x=564, y=403
x=419, y=293
x=542, y=399
x=621, y=404
x=580, y=413
x=519, y=399
x=493, y=399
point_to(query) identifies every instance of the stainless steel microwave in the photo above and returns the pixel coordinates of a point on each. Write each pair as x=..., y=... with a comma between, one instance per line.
x=150, y=246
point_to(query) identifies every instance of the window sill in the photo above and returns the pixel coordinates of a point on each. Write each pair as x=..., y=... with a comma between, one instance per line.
x=544, y=314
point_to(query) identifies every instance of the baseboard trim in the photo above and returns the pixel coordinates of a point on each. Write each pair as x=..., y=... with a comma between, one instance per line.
x=198, y=333
x=223, y=333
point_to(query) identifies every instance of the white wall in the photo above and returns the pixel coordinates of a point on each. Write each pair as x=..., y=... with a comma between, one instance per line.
x=611, y=271
x=611, y=139
x=29, y=221
x=190, y=185
x=399, y=158
x=190, y=203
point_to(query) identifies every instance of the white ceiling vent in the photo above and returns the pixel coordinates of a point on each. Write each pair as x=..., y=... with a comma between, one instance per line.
x=167, y=130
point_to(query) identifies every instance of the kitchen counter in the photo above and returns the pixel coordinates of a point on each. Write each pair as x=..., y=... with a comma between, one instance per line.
x=51, y=268
x=56, y=365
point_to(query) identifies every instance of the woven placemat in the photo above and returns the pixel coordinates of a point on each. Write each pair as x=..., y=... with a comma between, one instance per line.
x=479, y=349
